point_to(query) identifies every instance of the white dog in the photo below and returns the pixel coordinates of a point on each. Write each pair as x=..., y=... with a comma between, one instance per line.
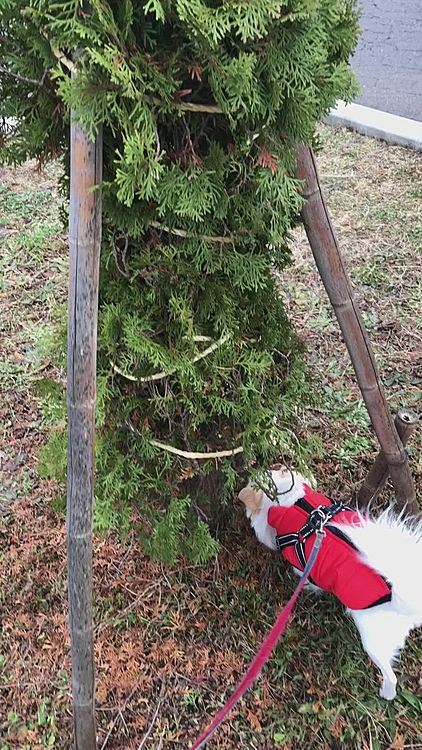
x=373, y=565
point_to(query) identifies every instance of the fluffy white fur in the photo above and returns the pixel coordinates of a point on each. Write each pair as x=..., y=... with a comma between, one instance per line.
x=389, y=544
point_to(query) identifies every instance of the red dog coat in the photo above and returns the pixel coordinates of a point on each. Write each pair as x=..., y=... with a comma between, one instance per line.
x=338, y=568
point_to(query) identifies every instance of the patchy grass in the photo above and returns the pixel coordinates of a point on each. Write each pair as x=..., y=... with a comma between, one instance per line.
x=178, y=639
x=32, y=283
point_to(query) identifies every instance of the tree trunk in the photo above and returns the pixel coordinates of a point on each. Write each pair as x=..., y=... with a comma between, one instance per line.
x=84, y=244
x=330, y=265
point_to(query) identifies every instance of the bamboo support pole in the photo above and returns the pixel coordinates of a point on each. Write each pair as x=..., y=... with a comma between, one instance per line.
x=326, y=252
x=84, y=244
x=406, y=422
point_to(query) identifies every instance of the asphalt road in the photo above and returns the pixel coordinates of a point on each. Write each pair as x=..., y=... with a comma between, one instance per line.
x=388, y=60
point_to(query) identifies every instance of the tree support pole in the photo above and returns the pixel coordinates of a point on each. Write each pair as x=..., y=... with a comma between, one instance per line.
x=84, y=245
x=326, y=252
x=406, y=422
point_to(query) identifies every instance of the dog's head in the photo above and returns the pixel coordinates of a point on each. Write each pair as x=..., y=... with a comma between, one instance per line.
x=288, y=487
x=251, y=497
x=287, y=484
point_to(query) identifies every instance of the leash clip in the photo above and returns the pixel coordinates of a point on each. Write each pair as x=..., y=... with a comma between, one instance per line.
x=317, y=519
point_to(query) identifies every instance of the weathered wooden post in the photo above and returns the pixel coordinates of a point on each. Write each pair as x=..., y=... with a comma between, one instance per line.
x=84, y=245
x=406, y=422
x=326, y=252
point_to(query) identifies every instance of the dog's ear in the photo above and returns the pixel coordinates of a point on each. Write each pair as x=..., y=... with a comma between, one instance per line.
x=252, y=498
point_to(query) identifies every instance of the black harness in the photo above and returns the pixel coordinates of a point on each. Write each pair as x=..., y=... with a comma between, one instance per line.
x=318, y=518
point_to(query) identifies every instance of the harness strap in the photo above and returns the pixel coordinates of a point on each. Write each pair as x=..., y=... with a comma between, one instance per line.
x=318, y=517
x=285, y=540
x=300, y=552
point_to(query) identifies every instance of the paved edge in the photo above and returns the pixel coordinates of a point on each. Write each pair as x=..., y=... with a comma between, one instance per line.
x=373, y=122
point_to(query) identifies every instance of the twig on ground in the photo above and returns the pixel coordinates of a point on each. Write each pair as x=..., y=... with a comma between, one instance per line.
x=116, y=718
x=153, y=720
x=126, y=610
x=195, y=684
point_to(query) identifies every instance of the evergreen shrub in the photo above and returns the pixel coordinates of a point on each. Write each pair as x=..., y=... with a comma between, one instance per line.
x=202, y=103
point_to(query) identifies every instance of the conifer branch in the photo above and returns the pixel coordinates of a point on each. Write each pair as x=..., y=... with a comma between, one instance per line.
x=120, y=253
x=24, y=79
x=174, y=154
x=211, y=109
x=161, y=375
x=197, y=455
x=183, y=233
x=192, y=455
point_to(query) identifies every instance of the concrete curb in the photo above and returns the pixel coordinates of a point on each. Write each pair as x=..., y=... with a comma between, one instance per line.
x=382, y=125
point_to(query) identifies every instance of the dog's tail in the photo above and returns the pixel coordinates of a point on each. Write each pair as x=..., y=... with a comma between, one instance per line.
x=392, y=545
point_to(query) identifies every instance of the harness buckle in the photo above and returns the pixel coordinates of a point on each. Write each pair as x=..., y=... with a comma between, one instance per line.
x=318, y=518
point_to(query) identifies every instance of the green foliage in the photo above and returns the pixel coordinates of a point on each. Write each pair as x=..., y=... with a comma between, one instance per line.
x=202, y=102
x=52, y=457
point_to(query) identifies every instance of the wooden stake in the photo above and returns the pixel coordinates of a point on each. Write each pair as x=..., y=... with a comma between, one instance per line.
x=84, y=244
x=406, y=422
x=329, y=261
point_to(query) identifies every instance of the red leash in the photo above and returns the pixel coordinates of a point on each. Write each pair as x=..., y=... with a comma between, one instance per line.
x=267, y=646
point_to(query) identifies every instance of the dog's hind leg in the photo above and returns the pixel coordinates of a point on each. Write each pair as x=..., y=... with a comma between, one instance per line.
x=383, y=633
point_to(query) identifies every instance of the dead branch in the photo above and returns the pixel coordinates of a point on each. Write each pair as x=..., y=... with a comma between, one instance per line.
x=196, y=455
x=211, y=109
x=61, y=57
x=154, y=717
x=161, y=375
x=222, y=240
x=40, y=83
x=120, y=253
x=116, y=718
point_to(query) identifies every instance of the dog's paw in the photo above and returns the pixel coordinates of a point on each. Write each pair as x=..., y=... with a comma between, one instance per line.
x=251, y=498
x=388, y=691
